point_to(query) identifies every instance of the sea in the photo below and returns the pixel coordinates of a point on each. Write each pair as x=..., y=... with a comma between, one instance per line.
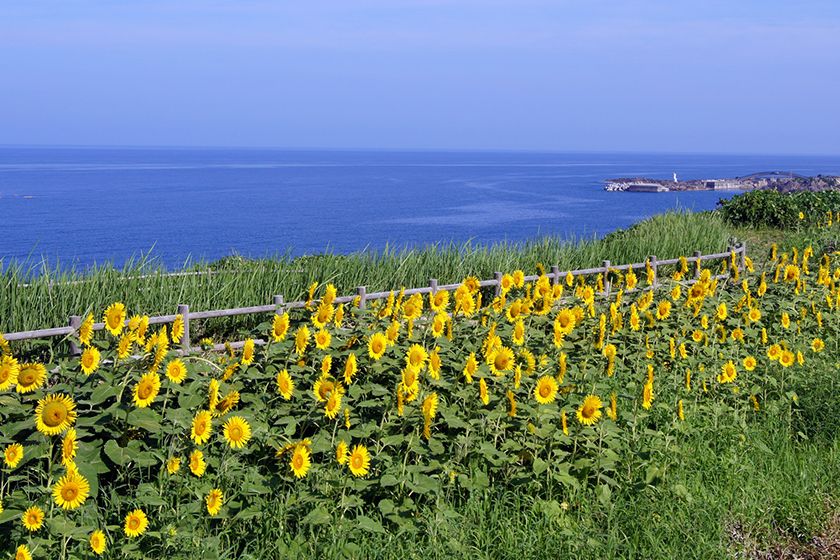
x=78, y=207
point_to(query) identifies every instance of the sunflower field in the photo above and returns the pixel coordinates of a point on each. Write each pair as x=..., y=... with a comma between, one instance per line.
x=370, y=411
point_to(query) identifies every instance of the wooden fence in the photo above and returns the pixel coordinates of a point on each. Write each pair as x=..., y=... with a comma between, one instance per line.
x=279, y=305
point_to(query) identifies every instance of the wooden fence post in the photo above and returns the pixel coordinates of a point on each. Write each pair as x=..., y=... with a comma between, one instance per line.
x=743, y=259
x=555, y=274
x=278, y=303
x=697, y=264
x=433, y=284
x=185, y=340
x=75, y=322
x=361, y=292
x=497, y=276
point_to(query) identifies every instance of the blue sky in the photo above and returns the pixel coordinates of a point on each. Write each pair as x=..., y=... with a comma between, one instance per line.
x=742, y=76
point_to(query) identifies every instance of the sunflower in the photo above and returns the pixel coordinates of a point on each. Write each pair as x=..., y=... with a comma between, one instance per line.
x=86, y=330
x=501, y=360
x=750, y=363
x=439, y=301
x=214, y=501
x=33, y=518
x=301, y=339
x=323, y=314
x=439, y=324
x=817, y=345
x=326, y=364
x=173, y=465
x=22, y=553
x=300, y=461
x=324, y=387
x=470, y=367
x=565, y=321
x=342, y=453
x=434, y=363
x=30, y=377
x=202, y=425
x=350, y=368
x=98, y=542
x=721, y=313
x=787, y=358
x=69, y=445
x=12, y=455
x=728, y=373
x=124, y=346
x=136, y=523
x=247, y=352
x=54, y=414
x=71, y=490
x=774, y=352
x=589, y=411
x=90, y=360
x=177, y=328
x=416, y=357
x=176, y=371
x=323, y=339
x=785, y=321
x=213, y=394
x=333, y=405
x=226, y=404
x=197, y=464
x=377, y=344
x=115, y=318
x=482, y=392
x=647, y=395
x=237, y=432
x=359, y=461
x=280, y=327
x=545, y=391
x=680, y=410
x=392, y=333
x=663, y=310
x=9, y=370
x=612, y=411
x=791, y=273
x=754, y=315
x=146, y=389
x=430, y=406
x=285, y=385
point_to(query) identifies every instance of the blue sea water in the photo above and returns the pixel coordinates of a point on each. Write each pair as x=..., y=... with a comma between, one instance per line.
x=79, y=206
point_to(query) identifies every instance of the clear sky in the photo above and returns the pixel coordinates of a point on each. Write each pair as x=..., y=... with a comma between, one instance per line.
x=757, y=76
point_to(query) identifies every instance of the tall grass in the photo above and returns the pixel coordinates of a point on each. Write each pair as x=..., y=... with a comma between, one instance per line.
x=34, y=295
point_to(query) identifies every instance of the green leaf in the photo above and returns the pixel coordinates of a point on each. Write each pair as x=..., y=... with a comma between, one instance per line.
x=144, y=418
x=318, y=516
x=367, y=524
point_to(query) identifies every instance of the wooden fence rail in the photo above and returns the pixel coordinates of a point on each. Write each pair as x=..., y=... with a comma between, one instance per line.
x=279, y=305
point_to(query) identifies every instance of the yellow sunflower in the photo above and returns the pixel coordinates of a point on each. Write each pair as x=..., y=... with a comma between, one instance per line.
x=226, y=404
x=177, y=328
x=501, y=360
x=176, y=371
x=351, y=366
x=86, y=330
x=98, y=542
x=750, y=363
x=214, y=501
x=22, y=553
x=774, y=352
x=247, y=352
x=359, y=461
x=197, y=464
x=280, y=327
x=237, y=432
x=71, y=490
x=115, y=318
x=324, y=387
x=90, y=360
x=146, y=390
x=173, y=465
x=54, y=414
x=301, y=339
x=416, y=357
x=300, y=461
x=323, y=338
x=12, y=455
x=33, y=518
x=589, y=411
x=342, y=453
x=483, y=395
x=69, y=445
x=728, y=373
x=817, y=345
x=545, y=391
x=202, y=425
x=377, y=344
x=285, y=385
x=30, y=377
x=9, y=370
x=333, y=406
x=430, y=406
x=787, y=358
x=470, y=368
x=136, y=523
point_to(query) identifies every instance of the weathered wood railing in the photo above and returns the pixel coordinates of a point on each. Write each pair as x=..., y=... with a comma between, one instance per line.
x=279, y=305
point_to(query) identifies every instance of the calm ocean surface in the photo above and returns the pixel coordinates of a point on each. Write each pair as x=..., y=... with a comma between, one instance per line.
x=84, y=206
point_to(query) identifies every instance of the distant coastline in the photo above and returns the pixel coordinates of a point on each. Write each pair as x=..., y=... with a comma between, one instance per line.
x=777, y=180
